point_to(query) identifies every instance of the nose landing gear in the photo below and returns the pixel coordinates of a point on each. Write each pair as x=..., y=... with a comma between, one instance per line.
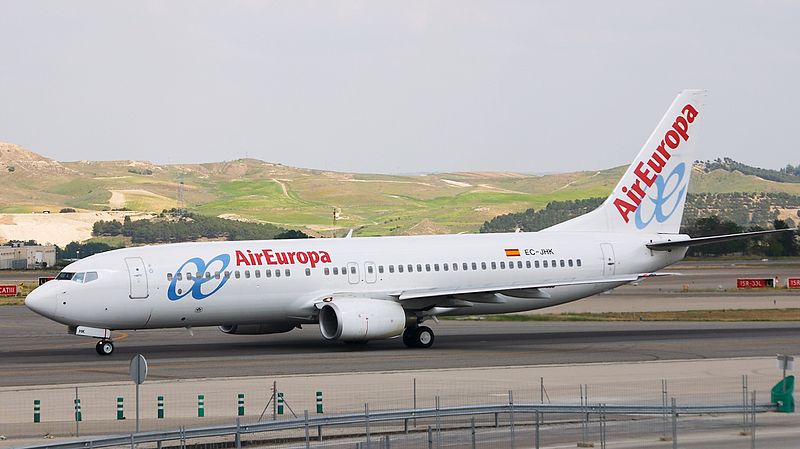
x=104, y=347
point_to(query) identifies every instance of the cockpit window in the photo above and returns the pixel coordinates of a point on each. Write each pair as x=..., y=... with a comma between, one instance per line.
x=90, y=276
x=64, y=276
x=78, y=277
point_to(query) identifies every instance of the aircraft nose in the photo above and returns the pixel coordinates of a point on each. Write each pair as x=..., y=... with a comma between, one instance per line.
x=40, y=302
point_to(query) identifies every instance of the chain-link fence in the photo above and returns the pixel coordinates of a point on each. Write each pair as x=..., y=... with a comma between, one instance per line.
x=29, y=415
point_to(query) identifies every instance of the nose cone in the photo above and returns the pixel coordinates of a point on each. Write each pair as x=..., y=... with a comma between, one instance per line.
x=41, y=302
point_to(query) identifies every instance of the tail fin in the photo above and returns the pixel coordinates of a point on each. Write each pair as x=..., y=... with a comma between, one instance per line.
x=651, y=195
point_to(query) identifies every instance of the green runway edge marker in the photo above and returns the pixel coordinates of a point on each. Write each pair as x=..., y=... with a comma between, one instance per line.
x=201, y=405
x=161, y=407
x=241, y=404
x=319, y=402
x=37, y=410
x=78, y=415
x=120, y=408
x=280, y=403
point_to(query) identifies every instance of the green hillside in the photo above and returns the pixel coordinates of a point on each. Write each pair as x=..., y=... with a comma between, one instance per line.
x=306, y=199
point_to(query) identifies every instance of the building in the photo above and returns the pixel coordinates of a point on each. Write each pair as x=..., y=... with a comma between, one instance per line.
x=20, y=257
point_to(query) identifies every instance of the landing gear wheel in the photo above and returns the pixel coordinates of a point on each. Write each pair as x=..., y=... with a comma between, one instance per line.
x=408, y=336
x=104, y=347
x=418, y=337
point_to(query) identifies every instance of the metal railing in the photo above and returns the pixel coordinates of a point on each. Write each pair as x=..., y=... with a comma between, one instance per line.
x=366, y=417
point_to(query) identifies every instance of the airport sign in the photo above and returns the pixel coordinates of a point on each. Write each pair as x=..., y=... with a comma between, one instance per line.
x=793, y=283
x=8, y=290
x=756, y=282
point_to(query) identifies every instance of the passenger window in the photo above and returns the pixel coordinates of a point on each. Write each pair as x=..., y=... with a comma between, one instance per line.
x=399, y=268
x=277, y=273
x=444, y=266
x=519, y=264
x=90, y=276
x=527, y=264
x=198, y=275
x=455, y=267
x=380, y=269
x=336, y=270
x=344, y=271
x=268, y=273
x=544, y=263
x=494, y=265
x=370, y=269
x=410, y=268
x=308, y=271
x=536, y=263
x=436, y=267
x=569, y=262
x=216, y=275
x=502, y=265
x=78, y=277
x=327, y=271
x=352, y=270
x=246, y=274
x=465, y=266
x=287, y=272
x=419, y=268
x=237, y=274
x=391, y=268
x=562, y=263
x=208, y=275
x=427, y=267
x=554, y=263
x=257, y=273
x=578, y=262
x=169, y=276
x=188, y=276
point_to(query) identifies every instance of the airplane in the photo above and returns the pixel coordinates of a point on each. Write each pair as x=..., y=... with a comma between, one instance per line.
x=372, y=288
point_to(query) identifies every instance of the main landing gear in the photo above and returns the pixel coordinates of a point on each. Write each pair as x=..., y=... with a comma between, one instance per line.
x=104, y=347
x=418, y=337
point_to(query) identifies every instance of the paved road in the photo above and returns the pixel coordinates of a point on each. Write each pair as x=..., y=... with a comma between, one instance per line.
x=34, y=350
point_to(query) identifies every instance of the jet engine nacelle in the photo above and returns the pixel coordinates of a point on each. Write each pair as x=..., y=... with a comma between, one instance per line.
x=361, y=319
x=257, y=329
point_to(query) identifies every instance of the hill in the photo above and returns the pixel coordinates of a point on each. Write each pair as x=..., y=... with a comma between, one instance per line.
x=255, y=190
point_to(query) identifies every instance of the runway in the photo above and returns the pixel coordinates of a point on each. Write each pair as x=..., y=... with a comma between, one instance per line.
x=36, y=351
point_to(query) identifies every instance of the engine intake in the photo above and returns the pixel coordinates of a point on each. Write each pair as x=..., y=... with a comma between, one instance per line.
x=361, y=319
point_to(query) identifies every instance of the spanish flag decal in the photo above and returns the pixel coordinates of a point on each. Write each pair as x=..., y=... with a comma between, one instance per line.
x=512, y=252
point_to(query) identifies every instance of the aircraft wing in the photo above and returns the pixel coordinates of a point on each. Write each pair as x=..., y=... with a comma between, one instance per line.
x=500, y=288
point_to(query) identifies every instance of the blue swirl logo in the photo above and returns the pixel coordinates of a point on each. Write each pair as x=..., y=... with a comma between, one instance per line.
x=201, y=274
x=670, y=200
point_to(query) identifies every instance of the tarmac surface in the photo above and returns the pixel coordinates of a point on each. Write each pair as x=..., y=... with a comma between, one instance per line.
x=37, y=351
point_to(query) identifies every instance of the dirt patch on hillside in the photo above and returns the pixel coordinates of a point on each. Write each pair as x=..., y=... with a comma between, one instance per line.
x=58, y=229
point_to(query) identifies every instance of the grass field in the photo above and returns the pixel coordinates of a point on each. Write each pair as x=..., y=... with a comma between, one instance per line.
x=689, y=315
x=372, y=204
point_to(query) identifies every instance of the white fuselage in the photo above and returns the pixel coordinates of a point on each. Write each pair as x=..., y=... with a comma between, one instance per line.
x=150, y=287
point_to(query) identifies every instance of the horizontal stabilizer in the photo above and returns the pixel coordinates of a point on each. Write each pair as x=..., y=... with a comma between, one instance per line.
x=665, y=246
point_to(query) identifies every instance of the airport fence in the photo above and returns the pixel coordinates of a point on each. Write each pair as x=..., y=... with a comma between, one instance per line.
x=406, y=409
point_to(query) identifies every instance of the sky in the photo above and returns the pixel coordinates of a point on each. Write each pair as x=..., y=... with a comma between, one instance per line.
x=395, y=87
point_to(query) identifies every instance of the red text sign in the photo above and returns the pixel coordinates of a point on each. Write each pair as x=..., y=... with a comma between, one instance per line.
x=8, y=290
x=751, y=283
x=793, y=283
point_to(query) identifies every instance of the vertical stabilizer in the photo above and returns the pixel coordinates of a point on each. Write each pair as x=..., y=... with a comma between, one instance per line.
x=651, y=195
